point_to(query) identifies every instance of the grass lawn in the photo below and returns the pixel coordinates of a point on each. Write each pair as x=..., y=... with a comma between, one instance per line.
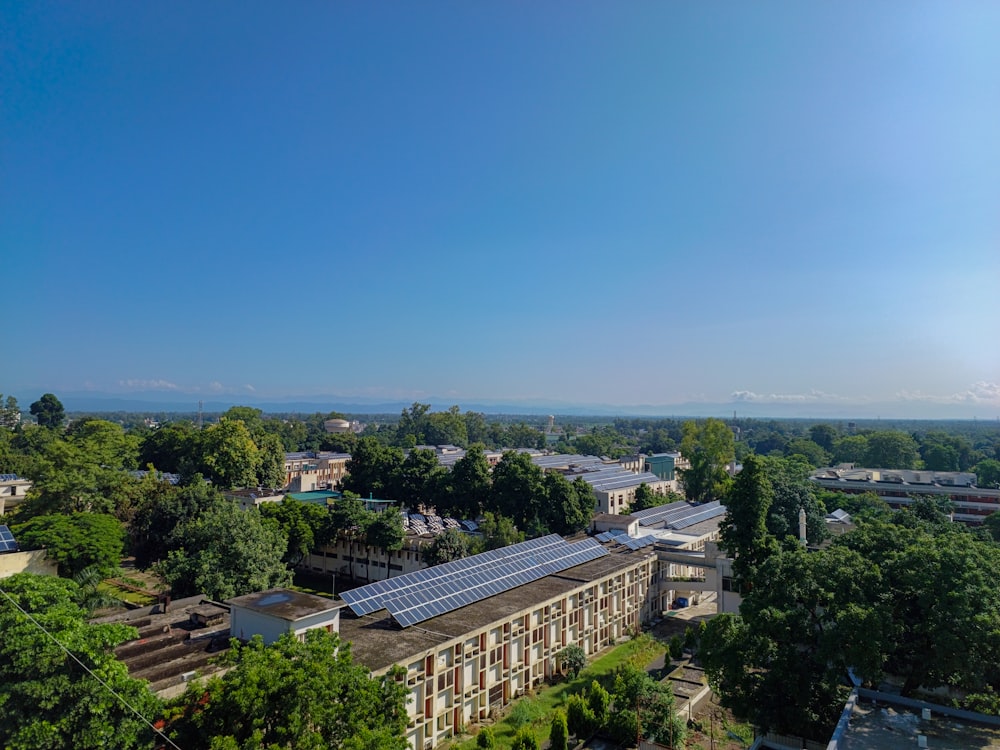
x=133, y=597
x=537, y=707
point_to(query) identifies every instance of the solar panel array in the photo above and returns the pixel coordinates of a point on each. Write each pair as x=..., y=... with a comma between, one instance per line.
x=7, y=543
x=652, y=516
x=8, y=477
x=415, y=597
x=701, y=513
x=643, y=541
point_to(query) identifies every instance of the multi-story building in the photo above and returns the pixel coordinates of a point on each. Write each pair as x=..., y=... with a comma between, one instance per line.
x=899, y=487
x=12, y=491
x=315, y=470
x=464, y=664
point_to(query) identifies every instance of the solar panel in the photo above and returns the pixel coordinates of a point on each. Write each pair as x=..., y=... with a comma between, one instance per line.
x=418, y=596
x=8, y=477
x=7, y=543
x=712, y=510
x=652, y=516
x=436, y=600
x=372, y=597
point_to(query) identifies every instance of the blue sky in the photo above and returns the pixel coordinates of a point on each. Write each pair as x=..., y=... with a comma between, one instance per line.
x=617, y=203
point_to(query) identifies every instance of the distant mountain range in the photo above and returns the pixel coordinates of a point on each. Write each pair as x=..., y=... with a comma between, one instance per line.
x=167, y=401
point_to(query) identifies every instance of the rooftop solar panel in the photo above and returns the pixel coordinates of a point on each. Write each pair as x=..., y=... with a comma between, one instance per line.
x=372, y=597
x=445, y=597
x=7, y=543
x=8, y=477
x=415, y=597
x=712, y=510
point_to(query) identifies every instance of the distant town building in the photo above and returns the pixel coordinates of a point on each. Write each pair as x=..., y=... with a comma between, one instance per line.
x=899, y=487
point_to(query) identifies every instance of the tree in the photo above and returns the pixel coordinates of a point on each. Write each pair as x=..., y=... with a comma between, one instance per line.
x=851, y=449
x=890, y=449
x=386, y=532
x=580, y=720
x=988, y=473
x=823, y=435
x=271, y=471
x=486, y=739
x=419, y=479
x=598, y=700
x=162, y=509
x=48, y=700
x=810, y=451
x=644, y=498
x=517, y=488
x=743, y=531
x=645, y=707
x=791, y=492
x=48, y=411
x=450, y=545
x=469, y=484
x=10, y=412
x=992, y=524
x=572, y=659
x=372, y=469
x=524, y=739
x=305, y=525
x=568, y=507
x=350, y=517
x=76, y=541
x=225, y=552
x=558, y=733
x=171, y=448
x=229, y=456
x=85, y=470
x=808, y=617
x=306, y=694
x=446, y=428
x=709, y=447
x=498, y=531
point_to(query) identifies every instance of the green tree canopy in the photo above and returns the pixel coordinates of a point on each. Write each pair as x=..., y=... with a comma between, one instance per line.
x=568, y=506
x=498, y=531
x=988, y=473
x=890, y=449
x=572, y=659
x=305, y=525
x=518, y=488
x=709, y=447
x=743, y=532
x=450, y=545
x=468, y=484
x=225, y=552
x=46, y=698
x=373, y=469
x=307, y=695
x=162, y=509
x=48, y=411
x=645, y=498
x=76, y=541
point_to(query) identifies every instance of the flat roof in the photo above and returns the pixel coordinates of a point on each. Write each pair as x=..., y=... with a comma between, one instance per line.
x=378, y=642
x=893, y=727
x=284, y=603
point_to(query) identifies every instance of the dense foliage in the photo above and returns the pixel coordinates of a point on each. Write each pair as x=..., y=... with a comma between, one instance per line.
x=906, y=596
x=307, y=695
x=47, y=699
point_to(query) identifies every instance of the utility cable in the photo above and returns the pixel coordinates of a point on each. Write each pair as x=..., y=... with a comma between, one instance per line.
x=89, y=671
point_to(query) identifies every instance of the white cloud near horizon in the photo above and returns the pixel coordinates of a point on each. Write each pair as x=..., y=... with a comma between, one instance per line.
x=982, y=392
x=149, y=385
x=785, y=398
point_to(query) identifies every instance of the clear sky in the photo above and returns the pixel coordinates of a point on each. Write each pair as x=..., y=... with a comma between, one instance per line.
x=593, y=202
